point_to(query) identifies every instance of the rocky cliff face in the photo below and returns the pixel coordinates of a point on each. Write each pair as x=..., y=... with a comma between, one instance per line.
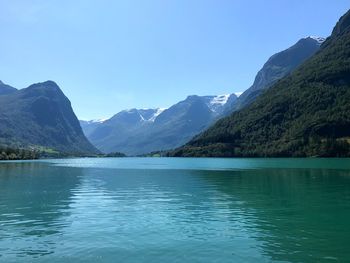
x=41, y=115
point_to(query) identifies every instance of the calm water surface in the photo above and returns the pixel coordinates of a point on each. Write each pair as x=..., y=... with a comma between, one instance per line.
x=175, y=210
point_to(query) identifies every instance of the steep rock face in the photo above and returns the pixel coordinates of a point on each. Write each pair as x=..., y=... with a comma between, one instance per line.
x=139, y=131
x=41, y=115
x=279, y=66
x=307, y=113
x=342, y=27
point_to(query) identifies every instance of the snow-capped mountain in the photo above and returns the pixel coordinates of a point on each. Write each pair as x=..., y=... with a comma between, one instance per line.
x=156, y=114
x=319, y=40
x=216, y=103
x=150, y=114
x=135, y=116
x=94, y=121
x=139, y=131
x=134, y=131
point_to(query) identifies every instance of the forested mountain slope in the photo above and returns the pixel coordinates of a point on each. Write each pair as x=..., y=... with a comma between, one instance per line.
x=41, y=116
x=278, y=66
x=305, y=114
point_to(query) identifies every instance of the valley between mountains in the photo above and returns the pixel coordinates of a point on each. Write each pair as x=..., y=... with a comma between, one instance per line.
x=298, y=105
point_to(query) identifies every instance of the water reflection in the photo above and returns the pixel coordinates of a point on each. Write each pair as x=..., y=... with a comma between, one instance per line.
x=34, y=197
x=300, y=214
x=134, y=215
x=162, y=214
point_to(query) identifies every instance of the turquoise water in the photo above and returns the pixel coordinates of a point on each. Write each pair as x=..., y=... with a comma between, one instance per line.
x=175, y=210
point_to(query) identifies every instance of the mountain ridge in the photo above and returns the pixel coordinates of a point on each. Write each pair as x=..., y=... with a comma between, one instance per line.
x=307, y=113
x=41, y=116
x=278, y=66
x=139, y=131
x=187, y=118
x=6, y=89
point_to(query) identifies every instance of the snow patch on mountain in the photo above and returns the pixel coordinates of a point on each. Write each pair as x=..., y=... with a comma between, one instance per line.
x=142, y=118
x=216, y=103
x=319, y=40
x=220, y=99
x=146, y=114
x=156, y=114
x=95, y=121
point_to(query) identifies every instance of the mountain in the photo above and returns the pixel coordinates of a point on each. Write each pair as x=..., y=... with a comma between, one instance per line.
x=116, y=130
x=41, y=115
x=278, y=66
x=307, y=113
x=6, y=89
x=131, y=131
x=90, y=126
x=140, y=131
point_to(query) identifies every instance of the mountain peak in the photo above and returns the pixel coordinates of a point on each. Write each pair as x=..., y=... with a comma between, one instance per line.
x=343, y=25
x=48, y=84
x=156, y=114
x=94, y=121
x=48, y=88
x=135, y=115
x=192, y=97
x=216, y=103
x=318, y=39
x=6, y=89
x=278, y=66
x=220, y=99
x=286, y=118
x=42, y=115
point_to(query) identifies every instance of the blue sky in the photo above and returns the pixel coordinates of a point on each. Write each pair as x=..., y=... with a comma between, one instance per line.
x=113, y=55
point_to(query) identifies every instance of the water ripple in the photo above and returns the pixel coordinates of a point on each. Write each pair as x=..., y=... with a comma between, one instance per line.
x=99, y=214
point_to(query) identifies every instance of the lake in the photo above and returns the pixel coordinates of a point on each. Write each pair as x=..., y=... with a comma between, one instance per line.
x=175, y=210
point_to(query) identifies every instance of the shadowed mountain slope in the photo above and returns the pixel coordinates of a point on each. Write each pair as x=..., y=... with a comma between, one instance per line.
x=41, y=115
x=306, y=113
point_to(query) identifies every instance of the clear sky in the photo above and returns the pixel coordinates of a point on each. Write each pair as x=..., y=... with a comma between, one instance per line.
x=110, y=55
